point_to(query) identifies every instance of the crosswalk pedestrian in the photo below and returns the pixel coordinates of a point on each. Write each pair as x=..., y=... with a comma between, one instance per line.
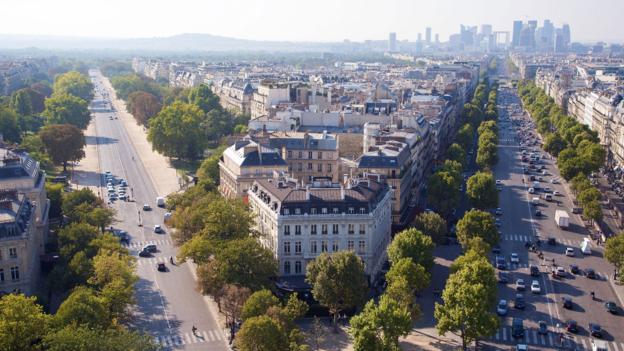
x=205, y=336
x=532, y=337
x=138, y=245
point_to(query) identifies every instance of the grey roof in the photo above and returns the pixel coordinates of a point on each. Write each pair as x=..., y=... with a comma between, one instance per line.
x=15, y=211
x=258, y=156
x=377, y=161
x=16, y=165
x=305, y=142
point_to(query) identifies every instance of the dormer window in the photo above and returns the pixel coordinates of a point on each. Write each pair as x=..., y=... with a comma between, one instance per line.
x=286, y=211
x=351, y=210
x=362, y=210
x=313, y=210
x=324, y=210
x=297, y=211
x=335, y=210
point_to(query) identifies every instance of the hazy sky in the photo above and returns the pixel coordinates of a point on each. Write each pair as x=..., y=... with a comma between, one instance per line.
x=313, y=20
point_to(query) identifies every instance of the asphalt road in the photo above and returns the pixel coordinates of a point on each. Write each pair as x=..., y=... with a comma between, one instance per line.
x=168, y=305
x=519, y=224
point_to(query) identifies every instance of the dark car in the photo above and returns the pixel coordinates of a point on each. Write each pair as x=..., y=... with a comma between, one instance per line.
x=517, y=328
x=574, y=269
x=145, y=253
x=611, y=307
x=595, y=330
x=161, y=267
x=542, y=328
x=496, y=250
x=534, y=270
x=572, y=326
x=590, y=273
x=551, y=241
x=503, y=278
x=567, y=302
x=519, y=302
x=538, y=213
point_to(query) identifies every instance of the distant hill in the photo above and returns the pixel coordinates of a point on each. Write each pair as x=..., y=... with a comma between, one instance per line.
x=176, y=43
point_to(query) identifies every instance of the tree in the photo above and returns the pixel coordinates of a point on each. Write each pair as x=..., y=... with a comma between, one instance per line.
x=614, y=253
x=126, y=84
x=208, y=171
x=178, y=131
x=76, y=237
x=71, y=201
x=487, y=155
x=114, y=277
x=465, y=136
x=593, y=211
x=378, y=327
x=42, y=88
x=203, y=97
x=55, y=195
x=9, y=126
x=432, y=224
x=218, y=123
x=467, y=307
x=413, y=244
x=22, y=323
x=481, y=190
x=554, y=144
x=67, y=109
x=456, y=153
x=74, y=83
x=588, y=195
x=234, y=298
x=580, y=183
x=258, y=303
x=415, y=274
x=20, y=102
x=143, y=106
x=83, y=338
x=63, y=142
x=337, y=281
x=261, y=334
x=478, y=245
x=83, y=307
x=477, y=223
x=443, y=192
x=34, y=146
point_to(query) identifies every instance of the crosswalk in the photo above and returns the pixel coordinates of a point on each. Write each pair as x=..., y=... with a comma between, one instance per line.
x=532, y=337
x=525, y=238
x=139, y=245
x=205, y=336
x=142, y=261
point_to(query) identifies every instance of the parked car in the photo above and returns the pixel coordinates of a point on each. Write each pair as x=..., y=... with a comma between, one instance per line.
x=534, y=270
x=567, y=302
x=517, y=328
x=595, y=330
x=590, y=273
x=520, y=285
x=542, y=328
x=569, y=252
x=499, y=211
x=157, y=229
x=501, y=309
x=574, y=269
x=560, y=272
x=535, y=287
x=503, y=278
x=572, y=326
x=146, y=207
x=611, y=307
x=514, y=258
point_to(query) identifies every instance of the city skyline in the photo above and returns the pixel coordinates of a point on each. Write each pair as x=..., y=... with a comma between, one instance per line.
x=329, y=22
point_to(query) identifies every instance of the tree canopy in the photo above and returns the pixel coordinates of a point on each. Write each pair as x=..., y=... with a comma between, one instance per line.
x=63, y=108
x=413, y=244
x=63, y=143
x=432, y=224
x=481, y=190
x=74, y=83
x=178, y=130
x=477, y=223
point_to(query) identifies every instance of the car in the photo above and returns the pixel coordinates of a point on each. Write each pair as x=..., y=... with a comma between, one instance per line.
x=514, y=258
x=503, y=278
x=498, y=222
x=611, y=307
x=157, y=228
x=532, y=178
x=556, y=193
x=499, y=211
x=538, y=213
x=519, y=302
x=574, y=269
x=560, y=272
x=551, y=241
x=123, y=183
x=547, y=190
x=540, y=179
x=531, y=191
x=112, y=196
x=572, y=326
x=534, y=270
x=498, y=182
x=517, y=328
x=145, y=253
x=496, y=250
x=595, y=330
x=146, y=207
x=501, y=309
x=569, y=252
x=501, y=263
x=590, y=273
x=542, y=328
x=110, y=190
x=108, y=173
x=123, y=196
x=520, y=285
x=566, y=302
x=535, y=287
x=161, y=267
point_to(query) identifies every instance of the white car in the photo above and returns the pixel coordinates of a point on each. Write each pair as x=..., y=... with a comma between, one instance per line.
x=531, y=190
x=554, y=181
x=514, y=258
x=520, y=286
x=569, y=252
x=499, y=211
x=556, y=193
x=535, y=287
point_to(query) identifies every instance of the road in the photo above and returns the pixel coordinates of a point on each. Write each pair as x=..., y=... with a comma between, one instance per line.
x=519, y=224
x=168, y=305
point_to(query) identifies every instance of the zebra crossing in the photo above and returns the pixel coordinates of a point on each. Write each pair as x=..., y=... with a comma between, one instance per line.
x=532, y=337
x=139, y=245
x=205, y=336
x=152, y=260
x=525, y=238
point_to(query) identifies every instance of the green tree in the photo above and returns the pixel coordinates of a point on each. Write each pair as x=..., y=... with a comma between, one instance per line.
x=481, y=190
x=178, y=131
x=143, y=106
x=593, y=211
x=67, y=109
x=554, y=144
x=580, y=183
x=337, y=281
x=415, y=274
x=203, y=97
x=63, y=142
x=432, y=224
x=76, y=237
x=74, y=83
x=21, y=103
x=477, y=223
x=614, y=253
x=71, y=201
x=456, y=153
x=55, y=195
x=114, y=277
x=9, y=126
x=34, y=146
x=478, y=245
x=465, y=136
x=413, y=244
x=83, y=338
x=258, y=303
x=83, y=307
x=378, y=327
x=208, y=171
x=588, y=195
x=443, y=192
x=22, y=323
x=261, y=334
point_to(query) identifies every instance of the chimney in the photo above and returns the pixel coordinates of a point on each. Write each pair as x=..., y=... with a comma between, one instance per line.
x=342, y=192
x=307, y=192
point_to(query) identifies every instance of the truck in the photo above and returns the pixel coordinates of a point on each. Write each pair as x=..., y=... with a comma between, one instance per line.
x=586, y=246
x=160, y=201
x=562, y=219
x=535, y=201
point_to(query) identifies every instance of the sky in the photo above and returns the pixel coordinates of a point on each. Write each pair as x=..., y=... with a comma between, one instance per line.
x=296, y=20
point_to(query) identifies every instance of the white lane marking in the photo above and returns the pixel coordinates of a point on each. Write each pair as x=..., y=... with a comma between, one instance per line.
x=504, y=334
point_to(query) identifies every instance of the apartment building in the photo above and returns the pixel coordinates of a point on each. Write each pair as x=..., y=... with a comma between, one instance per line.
x=299, y=223
x=234, y=95
x=269, y=93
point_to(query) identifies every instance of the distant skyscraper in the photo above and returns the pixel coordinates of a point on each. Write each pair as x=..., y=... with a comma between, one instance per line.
x=515, y=37
x=392, y=43
x=486, y=30
x=428, y=34
x=567, y=39
x=548, y=33
x=558, y=42
x=419, y=37
x=437, y=38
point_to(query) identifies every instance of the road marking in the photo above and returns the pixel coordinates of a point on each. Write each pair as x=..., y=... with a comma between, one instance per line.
x=505, y=334
x=204, y=336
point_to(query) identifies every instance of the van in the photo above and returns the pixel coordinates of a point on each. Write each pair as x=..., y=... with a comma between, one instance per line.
x=586, y=247
x=160, y=201
x=535, y=201
x=548, y=197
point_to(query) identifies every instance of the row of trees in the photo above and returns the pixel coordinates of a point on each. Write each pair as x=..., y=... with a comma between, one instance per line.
x=614, y=253
x=487, y=151
x=587, y=196
x=95, y=274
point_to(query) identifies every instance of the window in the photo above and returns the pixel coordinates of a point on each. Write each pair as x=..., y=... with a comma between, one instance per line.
x=287, y=248
x=319, y=155
x=13, y=252
x=334, y=228
x=297, y=211
x=287, y=267
x=362, y=229
x=351, y=228
x=310, y=155
x=297, y=230
x=324, y=210
x=335, y=210
x=1, y=275
x=324, y=229
x=299, y=166
x=310, y=166
x=350, y=245
x=313, y=246
x=297, y=267
x=362, y=210
x=313, y=210
x=313, y=229
x=362, y=247
x=286, y=211
x=324, y=246
x=286, y=230
x=329, y=167
x=319, y=167
x=351, y=210
x=297, y=247
x=289, y=153
x=335, y=246
x=14, y=273
x=300, y=154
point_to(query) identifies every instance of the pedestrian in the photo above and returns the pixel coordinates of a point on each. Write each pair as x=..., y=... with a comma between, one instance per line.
x=194, y=329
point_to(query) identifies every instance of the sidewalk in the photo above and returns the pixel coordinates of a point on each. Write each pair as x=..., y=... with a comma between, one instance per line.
x=87, y=173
